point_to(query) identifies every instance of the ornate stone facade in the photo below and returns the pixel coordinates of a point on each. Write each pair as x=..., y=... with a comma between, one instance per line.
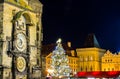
x=20, y=39
x=110, y=62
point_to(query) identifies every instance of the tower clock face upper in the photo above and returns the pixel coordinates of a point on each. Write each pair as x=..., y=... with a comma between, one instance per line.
x=20, y=42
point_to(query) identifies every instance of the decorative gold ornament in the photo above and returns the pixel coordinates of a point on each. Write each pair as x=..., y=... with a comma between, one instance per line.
x=21, y=64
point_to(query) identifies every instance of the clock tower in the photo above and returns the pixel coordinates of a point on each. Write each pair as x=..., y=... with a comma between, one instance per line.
x=20, y=39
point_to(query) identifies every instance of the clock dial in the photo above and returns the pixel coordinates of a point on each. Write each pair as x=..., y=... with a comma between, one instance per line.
x=21, y=64
x=21, y=42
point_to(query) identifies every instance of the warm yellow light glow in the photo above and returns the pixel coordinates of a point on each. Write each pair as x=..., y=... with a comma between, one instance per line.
x=50, y=70
x=60, y=76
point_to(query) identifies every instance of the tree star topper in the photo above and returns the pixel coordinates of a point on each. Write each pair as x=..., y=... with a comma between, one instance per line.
x=59, y=41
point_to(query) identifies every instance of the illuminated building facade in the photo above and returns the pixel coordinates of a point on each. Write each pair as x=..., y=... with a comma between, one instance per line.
x=20, y=39
x=97, y=63
x=90, y=55
x=89, y=59
x=73, y=62
x=84, y=59
x=92, y=61
x=110, y=61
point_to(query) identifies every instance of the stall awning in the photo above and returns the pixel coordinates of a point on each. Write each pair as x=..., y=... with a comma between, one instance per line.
x=99, y=74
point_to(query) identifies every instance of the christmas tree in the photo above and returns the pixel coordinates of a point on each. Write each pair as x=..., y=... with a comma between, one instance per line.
x=59, y=64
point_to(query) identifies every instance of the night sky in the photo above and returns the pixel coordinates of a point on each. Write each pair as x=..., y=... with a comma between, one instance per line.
x=73, y=20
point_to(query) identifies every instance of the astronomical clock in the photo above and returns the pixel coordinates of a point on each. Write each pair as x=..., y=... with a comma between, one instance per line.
x=21, y=64
x=20, y=42
x=20, y=45
x=21, y=36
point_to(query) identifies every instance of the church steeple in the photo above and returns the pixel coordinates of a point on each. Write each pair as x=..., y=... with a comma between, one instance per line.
x=91, y=41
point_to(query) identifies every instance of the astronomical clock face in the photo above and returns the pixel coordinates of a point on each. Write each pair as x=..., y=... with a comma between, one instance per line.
x=21, y=64
x=21, y=42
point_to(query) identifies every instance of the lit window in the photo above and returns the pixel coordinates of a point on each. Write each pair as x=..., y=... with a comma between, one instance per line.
x=105, y=60
x=111, y=60
x=91, y=58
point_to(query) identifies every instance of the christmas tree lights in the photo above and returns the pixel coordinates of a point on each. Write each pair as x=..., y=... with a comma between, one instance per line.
x=59, y=62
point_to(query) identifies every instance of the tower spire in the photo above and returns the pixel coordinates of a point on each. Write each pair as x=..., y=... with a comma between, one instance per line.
x=91, y=41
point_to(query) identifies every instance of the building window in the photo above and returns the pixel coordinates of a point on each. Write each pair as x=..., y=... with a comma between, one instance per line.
x=111, y=60
x=81, y=69
x=105, y=60
x=81, y=59
x=91, y=68
x=86, y=68
x=91, y=58
x=104, y=69
x=112, y=69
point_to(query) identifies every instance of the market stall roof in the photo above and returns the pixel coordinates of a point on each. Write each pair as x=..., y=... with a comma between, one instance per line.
x=98, y=74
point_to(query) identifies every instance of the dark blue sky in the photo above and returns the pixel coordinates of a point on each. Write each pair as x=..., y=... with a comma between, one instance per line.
x=73, y=20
